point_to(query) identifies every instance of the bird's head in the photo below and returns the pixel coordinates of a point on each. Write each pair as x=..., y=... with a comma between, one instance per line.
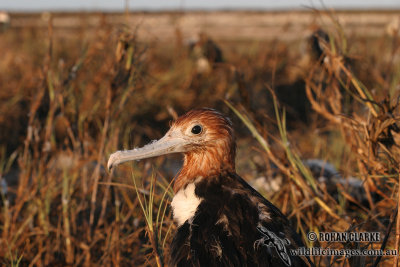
x=204, y=136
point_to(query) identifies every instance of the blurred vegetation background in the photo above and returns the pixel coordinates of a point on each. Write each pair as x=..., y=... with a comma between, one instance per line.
x=300, y=87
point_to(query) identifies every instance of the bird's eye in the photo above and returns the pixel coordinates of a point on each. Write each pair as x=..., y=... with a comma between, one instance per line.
x=197, y=129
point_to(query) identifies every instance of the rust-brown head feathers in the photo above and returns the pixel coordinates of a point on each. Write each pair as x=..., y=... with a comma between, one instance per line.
x=214, y=148
x=205, y=137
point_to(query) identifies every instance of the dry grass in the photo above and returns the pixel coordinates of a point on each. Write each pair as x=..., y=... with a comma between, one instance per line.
x=68, y=102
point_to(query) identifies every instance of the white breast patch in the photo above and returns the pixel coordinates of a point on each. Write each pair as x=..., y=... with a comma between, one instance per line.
x=184, y=204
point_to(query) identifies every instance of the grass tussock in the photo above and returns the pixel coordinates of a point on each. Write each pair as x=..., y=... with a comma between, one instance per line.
x=69, y=99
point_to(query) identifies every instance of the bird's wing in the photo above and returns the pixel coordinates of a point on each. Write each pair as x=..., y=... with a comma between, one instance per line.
x=274, y=228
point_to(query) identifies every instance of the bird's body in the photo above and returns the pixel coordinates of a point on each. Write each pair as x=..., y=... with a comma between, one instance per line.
x=222, y=221
x=232, y=225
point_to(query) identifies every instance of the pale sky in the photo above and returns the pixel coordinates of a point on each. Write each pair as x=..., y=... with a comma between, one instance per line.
x=40, y=5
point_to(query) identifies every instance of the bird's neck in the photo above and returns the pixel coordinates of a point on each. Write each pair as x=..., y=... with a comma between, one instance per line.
x=203, y=164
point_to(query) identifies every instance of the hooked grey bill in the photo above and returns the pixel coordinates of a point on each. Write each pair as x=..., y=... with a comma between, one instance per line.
x=165, y=145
